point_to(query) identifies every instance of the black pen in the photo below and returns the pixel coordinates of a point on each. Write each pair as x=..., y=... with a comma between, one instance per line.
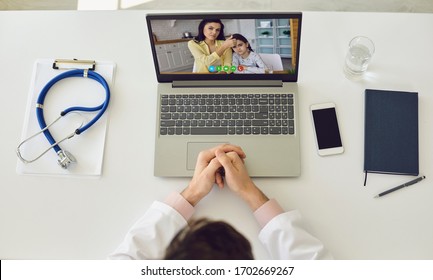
x=414, y=181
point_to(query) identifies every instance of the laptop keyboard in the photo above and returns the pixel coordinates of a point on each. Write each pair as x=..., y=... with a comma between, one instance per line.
x=227, y=114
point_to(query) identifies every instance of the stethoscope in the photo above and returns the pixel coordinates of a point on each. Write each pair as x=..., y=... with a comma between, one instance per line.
x=65, y=158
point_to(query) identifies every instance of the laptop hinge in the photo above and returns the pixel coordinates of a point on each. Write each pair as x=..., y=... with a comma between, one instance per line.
x=248, y=83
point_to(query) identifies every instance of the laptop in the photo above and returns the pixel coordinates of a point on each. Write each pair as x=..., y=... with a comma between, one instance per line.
x=209, y=96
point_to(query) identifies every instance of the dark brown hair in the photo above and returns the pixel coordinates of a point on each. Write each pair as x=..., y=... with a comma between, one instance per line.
x=240, y=37
x=200, y=37
x=209, y=240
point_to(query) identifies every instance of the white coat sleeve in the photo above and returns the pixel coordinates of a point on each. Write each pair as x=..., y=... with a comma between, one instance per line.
x=285, y=237
x=151, y=234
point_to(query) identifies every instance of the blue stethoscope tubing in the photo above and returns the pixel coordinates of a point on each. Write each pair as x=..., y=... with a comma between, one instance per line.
x=72, y=73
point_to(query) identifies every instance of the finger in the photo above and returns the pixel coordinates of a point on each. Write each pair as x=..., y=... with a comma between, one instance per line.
x=224, y=160
x=205, y=156
x=208, y=155
x=233, y=155
x=203, y=159
x=236, y=161
x=213, y=166
x=219, y=180
x=232, y=148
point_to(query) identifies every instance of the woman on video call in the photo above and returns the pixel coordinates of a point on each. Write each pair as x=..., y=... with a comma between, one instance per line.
x=211, y=47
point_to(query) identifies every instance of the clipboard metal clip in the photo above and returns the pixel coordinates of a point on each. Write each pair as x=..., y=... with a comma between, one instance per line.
x=74, y=64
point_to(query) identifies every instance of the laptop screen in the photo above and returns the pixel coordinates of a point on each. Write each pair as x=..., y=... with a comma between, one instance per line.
x=225, y=46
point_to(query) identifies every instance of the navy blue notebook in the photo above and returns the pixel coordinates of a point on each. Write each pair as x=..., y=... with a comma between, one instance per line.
x=391, y=132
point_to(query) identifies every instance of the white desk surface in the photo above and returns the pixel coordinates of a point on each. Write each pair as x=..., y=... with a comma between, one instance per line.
x=83, y=218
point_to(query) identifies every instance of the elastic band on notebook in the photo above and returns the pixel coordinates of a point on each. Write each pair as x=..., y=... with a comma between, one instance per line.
x=365, y=178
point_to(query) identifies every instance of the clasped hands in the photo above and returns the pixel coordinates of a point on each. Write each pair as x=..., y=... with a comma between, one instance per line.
x=206, y=174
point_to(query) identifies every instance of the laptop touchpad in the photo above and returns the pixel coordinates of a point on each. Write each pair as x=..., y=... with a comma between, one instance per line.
x=194, y=148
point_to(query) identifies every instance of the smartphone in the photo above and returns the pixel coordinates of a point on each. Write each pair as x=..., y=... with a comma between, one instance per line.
x=326, y=130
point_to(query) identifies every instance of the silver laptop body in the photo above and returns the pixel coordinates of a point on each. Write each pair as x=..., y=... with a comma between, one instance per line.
x=272, y=144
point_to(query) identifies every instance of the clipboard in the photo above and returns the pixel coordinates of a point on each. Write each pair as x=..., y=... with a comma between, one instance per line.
x=88, y=147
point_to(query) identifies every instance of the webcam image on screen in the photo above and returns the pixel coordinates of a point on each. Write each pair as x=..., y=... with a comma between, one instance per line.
x=225, y=46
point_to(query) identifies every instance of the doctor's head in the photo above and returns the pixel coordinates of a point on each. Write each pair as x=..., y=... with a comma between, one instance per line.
x=209, y=240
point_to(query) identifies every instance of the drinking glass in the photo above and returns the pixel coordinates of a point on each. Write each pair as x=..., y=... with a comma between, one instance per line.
x=358, y=56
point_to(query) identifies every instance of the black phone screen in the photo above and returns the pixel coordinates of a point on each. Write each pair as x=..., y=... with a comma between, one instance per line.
x=326, y=126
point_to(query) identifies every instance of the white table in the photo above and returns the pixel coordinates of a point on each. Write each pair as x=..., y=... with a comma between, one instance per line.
x=80, y=218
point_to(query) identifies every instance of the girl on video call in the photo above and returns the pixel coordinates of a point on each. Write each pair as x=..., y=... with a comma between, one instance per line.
x=244, y=58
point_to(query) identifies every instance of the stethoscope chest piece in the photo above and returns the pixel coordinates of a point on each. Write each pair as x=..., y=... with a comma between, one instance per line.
x=65, y=157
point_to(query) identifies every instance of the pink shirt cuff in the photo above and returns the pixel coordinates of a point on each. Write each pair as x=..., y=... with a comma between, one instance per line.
x=180, y=204
x=267, y=212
